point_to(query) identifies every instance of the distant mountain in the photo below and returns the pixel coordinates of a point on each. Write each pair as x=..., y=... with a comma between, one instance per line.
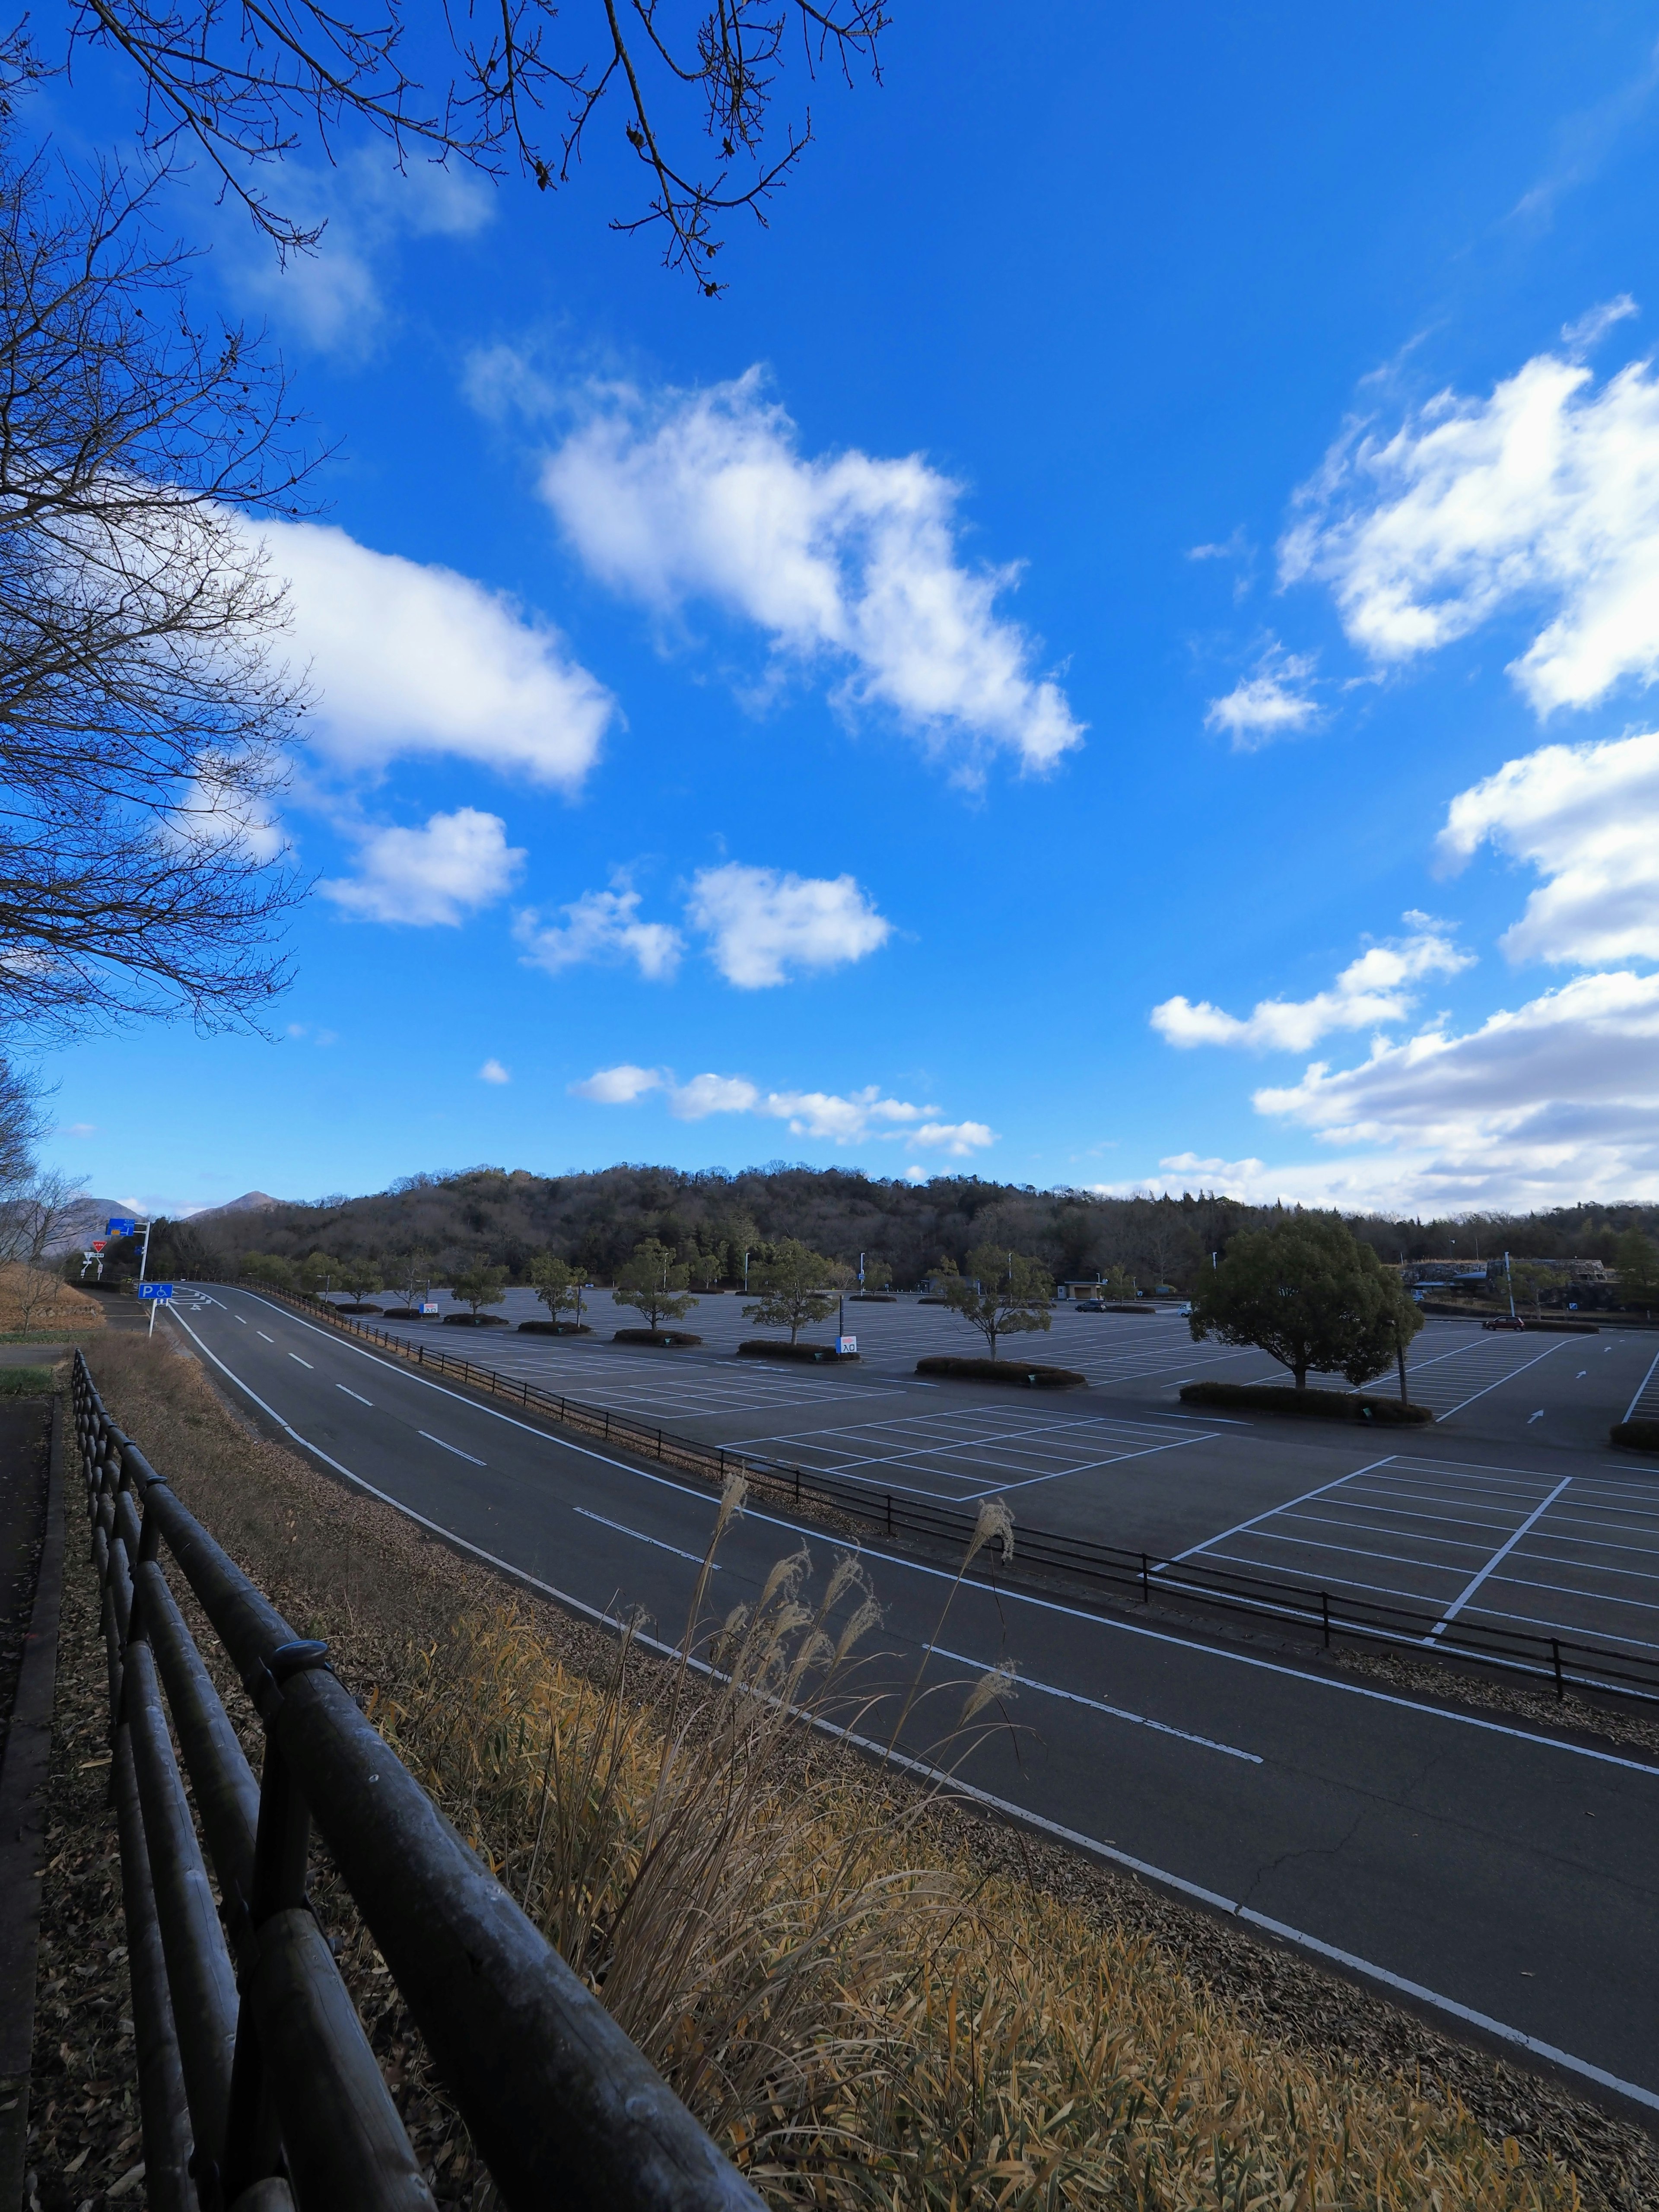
x=251, y=1201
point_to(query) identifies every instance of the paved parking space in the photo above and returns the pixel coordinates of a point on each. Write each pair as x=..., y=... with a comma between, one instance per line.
x=1645, y=1405
x=964, y=1454
x=1569, y=1555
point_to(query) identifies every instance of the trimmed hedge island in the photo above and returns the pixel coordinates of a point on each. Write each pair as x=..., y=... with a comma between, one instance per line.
x=666, y=1338
x=1021, y=1374
x=474, y=1320
x=772, y=1348
x=555, y=1328
x=1639, y=1435
x=1311, y=1405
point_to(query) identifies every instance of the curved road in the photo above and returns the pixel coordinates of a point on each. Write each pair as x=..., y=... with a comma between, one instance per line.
x=1502, y=1877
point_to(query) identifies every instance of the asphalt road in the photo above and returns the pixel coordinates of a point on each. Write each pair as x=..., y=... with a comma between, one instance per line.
x=1504, y=1878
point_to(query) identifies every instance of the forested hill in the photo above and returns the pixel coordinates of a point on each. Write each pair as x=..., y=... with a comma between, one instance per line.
x=502, y=1218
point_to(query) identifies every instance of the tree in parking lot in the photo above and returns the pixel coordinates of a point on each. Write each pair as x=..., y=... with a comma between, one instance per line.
x=557, y=1284
x=1002, y=1293
x=360, y=1275
x=653, y=1283
x=798, y=1287
x=477, y=1288
x=411, y=1273
x=1309, y=1294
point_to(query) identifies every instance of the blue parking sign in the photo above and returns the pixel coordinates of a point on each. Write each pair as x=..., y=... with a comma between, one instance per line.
x=155, y=1290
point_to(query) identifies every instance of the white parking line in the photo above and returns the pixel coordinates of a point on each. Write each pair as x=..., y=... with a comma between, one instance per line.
x=294, y=1355
x=640, y=1537
x=357, y=1394
x=1239, y=1527
x=456, y=1448
x=269, y=1340
x=1497, y=1556
x=1510, y=1377
x=1641, y=1387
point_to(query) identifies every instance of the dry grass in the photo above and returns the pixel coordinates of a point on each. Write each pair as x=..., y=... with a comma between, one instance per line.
x=32, y=1299
x=857, y=2005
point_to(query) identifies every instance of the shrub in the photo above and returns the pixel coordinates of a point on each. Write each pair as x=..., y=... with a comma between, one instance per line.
x=1314, y=1405
x=665, y=1337
x=1641, y=1434
x=772, y=1348
x=1019, y=1374
x=474, y=1320
x=555, y=1328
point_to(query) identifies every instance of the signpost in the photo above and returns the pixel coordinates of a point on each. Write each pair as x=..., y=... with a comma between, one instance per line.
x=121, y=1224
x=159, y=1294
x=847, y=1346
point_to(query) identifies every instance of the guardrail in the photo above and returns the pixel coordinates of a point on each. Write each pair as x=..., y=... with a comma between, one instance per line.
x=1046, y=1558
x=257, y=2088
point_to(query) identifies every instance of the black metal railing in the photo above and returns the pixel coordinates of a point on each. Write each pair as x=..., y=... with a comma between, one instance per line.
x=256, y=2084
x=1049, y=1558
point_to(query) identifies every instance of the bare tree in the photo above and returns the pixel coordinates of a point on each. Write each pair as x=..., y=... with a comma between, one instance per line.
x=143, y=721
x=518, y=85
x=43, y=1215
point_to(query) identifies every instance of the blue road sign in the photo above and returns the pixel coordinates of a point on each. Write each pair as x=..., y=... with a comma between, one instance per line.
x=155, y=1290
x=119, y=1228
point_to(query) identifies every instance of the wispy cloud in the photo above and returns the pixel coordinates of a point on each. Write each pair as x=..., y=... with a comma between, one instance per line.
x=334, y=296
x=602, y=927
x=829, y=1115
x=1272, y=703
x=1370, y=992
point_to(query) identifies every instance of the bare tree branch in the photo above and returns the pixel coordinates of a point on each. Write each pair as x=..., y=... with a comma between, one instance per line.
x=144, y=723
x=248, y=82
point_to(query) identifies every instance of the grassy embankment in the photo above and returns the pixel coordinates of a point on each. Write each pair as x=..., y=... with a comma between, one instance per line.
x=852, y=1985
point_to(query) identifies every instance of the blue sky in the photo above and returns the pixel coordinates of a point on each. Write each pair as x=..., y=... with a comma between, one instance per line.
x=1117, y=654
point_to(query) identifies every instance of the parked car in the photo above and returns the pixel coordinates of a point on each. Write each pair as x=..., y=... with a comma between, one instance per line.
x=1089, y=1305
x=1503, y=1321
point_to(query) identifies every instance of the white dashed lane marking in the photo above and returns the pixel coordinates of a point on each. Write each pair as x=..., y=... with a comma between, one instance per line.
x=456, y=1448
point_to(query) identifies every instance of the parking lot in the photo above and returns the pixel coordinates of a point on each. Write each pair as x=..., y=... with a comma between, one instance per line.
x=1512, y=1508
x=962, y=1454
x=1572, y=1555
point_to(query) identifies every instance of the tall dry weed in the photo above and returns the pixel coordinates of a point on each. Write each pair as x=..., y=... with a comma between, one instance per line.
x=860, y=2017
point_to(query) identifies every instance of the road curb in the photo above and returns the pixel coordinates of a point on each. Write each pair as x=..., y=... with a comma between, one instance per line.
x=22, y=1830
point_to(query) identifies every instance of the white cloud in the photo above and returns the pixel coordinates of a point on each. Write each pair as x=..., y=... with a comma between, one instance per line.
x=332, y=296
x=1545, y=495
x=618, y=1086
x=408, y=659
x=600, y=926
x=1268, y=704
x=1587, y=331
x=1586, y=817
x=458, y=863
x=1556, y=1099
x=493, y=1071
x=1371, y=991
x=763, y=925
x=825, y=1114
x=852, y=559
